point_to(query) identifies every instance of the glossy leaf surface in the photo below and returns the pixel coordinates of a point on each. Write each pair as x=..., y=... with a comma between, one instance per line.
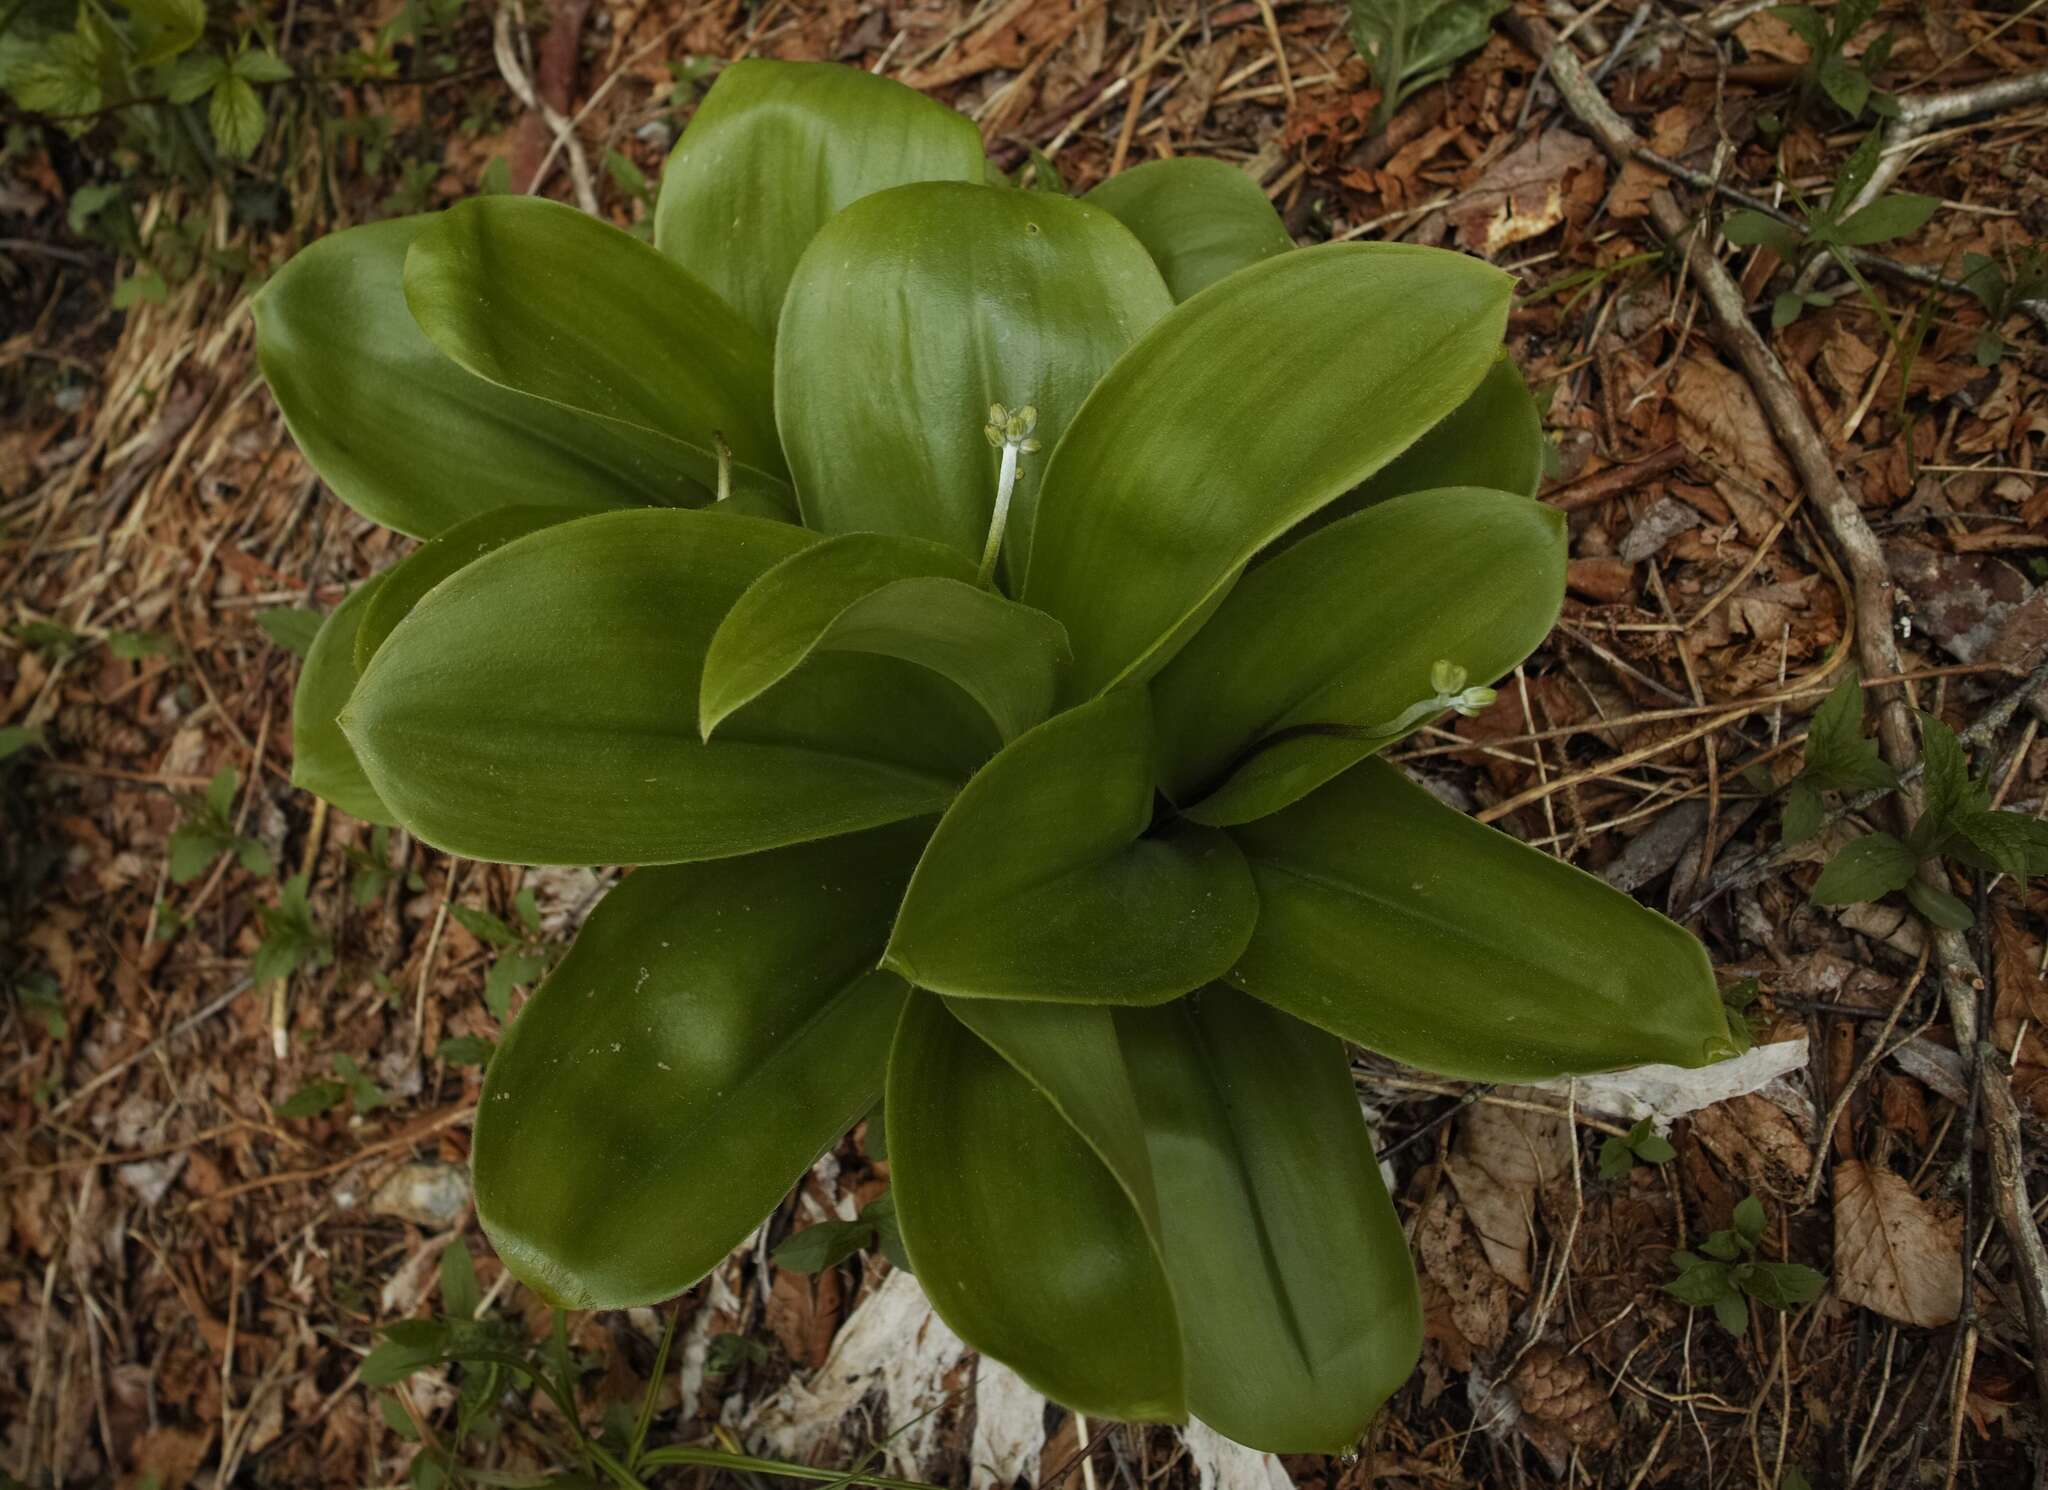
x=896, y=597
x=323, y=762
x=775, y=150
x=1494, y=439
x=540, y=706
x=1400, y=924
x=1207, y=441
x=1297, y=1298
x=1041, y=883
x=1022, y=1238
x=1071, y=1054
x=1199, y=219
x=1341, y=631
x=538, y=297
x=713, y=1030
x=915, y=310
x=404, y=435
x=407, y=582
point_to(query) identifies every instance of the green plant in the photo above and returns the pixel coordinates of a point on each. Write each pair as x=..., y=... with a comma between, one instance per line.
x=828, y=1243
x=76, y=60
x=493, y=1352
x=981, y=609
x=1830, y=228
x=375, y=873
x=1618, y=1153
x=1839, y=758
x=1829, y=71
x=1410, y=44
x=1956, y=822
x=208, y=831
x=351, y=1084
x=2002, y=289
x=291, y=937
x=523, y=956
x=1726, y=1273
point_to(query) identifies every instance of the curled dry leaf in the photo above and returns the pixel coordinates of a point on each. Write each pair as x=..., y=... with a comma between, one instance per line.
x=1526, y=192
x=1717, y=412
x=1465, y=1302
x=1754, y=1137
x=1892, y=1254
x=892, y=1345
x=1501, y=1157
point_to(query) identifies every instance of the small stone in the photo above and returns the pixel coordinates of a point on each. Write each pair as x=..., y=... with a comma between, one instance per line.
x=430, y=1195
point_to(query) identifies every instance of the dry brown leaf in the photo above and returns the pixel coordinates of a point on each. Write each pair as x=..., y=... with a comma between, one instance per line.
x=1523, y=194
x=1891, y=1253
x=1501, y=1157
x=1720, y=415
x=803, y=1311
x=1754, y=1137
x=1763, y=35
x=1466, y=1305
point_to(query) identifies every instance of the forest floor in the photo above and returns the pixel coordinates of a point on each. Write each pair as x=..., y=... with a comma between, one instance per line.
x=215, y=1191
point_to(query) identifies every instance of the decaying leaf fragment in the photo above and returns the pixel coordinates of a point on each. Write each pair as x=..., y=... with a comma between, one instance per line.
x=1891, y=1252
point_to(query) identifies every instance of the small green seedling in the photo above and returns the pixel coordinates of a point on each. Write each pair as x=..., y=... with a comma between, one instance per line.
x=2002, y=289
x=375, y=873
x=42, y=999
x=1726, y=1273
x=1839, y=758
x=829, y=1243
x=1618, y=1155
x=349, y=1084
x=291, y=938
x=523, y=955
x=1410, y=44
x=1829, y=72
x=209, y=831
x=1956, y=822
x=1830, y=228
x=50, y=640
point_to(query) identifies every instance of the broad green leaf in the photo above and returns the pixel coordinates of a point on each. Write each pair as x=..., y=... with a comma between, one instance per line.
x=322, y=760
x=164, y=28
x=235, y=115
x=714, y=1029
x=406, y=583
x=1940, y=906
x=540, y=706
x=1024, y=1241
x=1838, y=756
x=1317, y=656
x=1240, y=413
x=1493, y=439
x=916, y=309
x=896, y=597
x=1199, y=219
x=775, y=150
x=1751, y=229
x=1043, y=883
x=402, y=434
x=1393, y=921
x=1896, y=216
x=1069, y=1052
x=1412, y=43
x=1297, y=1299
x=537, y=297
